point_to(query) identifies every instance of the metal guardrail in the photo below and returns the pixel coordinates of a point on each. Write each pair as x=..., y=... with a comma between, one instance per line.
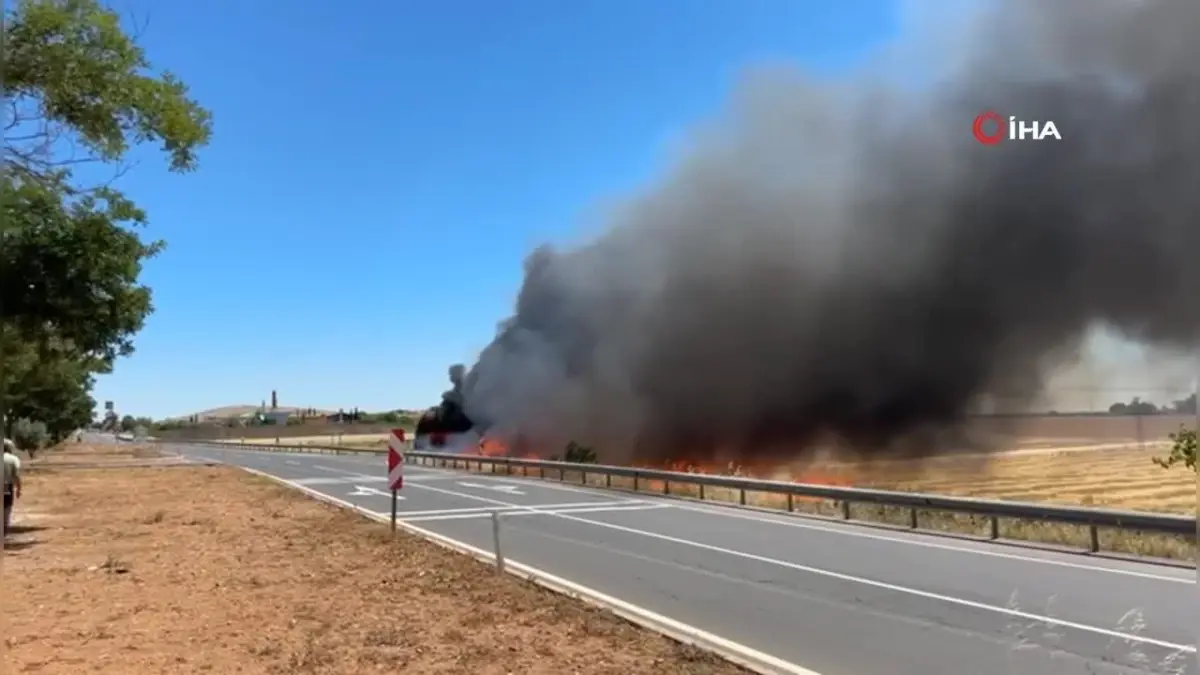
x=1092, y=518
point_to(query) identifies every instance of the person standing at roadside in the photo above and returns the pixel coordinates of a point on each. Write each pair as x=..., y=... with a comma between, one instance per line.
x=12, y=481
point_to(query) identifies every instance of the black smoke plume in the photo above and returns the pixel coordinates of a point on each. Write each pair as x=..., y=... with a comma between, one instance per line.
x=842, y=262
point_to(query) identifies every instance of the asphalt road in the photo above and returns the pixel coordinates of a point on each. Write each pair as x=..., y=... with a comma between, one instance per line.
x=833, y=598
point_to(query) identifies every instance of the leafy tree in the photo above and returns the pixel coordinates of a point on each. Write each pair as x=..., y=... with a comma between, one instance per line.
x=77, y=90
x=128, y=423
x=168, y=425
x=1135, y=407
x=44, y=383
x=1183, y=450
x=1185, y=406
x=69, y=270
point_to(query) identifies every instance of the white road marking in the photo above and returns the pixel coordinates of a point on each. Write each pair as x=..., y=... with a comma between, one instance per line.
x=502, y=509
x=734, y=513
x=322, y=467
x=362, y=491
x=347, y=480
x=799, y=522
x=961, y=602
x=509, y=489
x=851, y=530
x=734, y=651
x=536, y=512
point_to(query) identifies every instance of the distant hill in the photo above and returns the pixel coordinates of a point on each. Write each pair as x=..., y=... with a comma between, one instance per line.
x=225, y=412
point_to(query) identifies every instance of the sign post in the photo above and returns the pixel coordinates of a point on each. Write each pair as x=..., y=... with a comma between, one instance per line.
x=395, y=466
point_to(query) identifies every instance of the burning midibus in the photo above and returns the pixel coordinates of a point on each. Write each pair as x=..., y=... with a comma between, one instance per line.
x=446, y=428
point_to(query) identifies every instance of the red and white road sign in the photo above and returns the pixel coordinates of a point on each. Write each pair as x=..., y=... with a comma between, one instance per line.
x=395, y=459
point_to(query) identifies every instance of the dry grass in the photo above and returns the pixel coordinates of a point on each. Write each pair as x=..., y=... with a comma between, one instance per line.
x=210, y=570
x=1121, y=478
x=84, y=453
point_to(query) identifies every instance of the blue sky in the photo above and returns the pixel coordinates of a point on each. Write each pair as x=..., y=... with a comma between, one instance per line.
x=373, y=159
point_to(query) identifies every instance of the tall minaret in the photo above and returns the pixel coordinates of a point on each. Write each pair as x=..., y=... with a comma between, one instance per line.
x=274, y=400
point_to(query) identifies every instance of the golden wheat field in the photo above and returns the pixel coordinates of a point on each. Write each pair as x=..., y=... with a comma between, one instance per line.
x=1096, y=471
x=1119, y=478
x=1125, y=478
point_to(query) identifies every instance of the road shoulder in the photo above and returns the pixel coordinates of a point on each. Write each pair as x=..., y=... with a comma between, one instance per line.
x=138, y=570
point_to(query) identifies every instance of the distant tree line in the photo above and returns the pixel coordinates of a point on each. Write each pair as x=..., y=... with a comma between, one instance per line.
x=399, y=418
x=1184, y=406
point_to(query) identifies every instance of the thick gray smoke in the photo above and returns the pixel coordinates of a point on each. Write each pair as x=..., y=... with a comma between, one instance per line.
x=843, y=261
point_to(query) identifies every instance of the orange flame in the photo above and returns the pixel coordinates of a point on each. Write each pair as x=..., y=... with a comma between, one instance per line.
x=494, y=447
x=491, y=447
x=781, y=472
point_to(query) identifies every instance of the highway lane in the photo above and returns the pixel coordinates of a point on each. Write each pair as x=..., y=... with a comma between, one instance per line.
x=834, y=598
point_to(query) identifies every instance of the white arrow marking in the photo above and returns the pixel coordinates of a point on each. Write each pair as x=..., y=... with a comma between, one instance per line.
x=360, y=491
x=506, y=489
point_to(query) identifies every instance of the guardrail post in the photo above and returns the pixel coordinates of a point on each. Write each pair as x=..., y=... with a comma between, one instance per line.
x=995, y=527
x=701, y=492
x=912, y=518
x=608, y=480
x=542, y=472
x=791, y=502
x=845, y=510
x=635, y=481
x=666, y=487
x=496, y=541
x=742, y=496
x=583, y=478
x=562, y=474
x=1095, y=536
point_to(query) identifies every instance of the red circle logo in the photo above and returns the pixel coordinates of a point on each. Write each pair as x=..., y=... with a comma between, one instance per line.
x=981, y=134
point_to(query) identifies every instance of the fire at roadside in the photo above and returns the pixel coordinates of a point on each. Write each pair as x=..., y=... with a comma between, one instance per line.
x=446, y=428
x=813, y=278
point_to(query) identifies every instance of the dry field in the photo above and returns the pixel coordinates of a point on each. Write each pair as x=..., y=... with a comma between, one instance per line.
x=1100, y=460
x=189, y=570
x=365, y=441
x=1123, y=478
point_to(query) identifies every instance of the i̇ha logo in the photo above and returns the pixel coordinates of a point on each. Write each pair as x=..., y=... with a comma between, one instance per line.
x=990, y=128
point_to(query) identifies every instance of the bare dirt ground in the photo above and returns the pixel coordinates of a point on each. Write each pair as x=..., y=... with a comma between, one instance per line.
x=179, y=570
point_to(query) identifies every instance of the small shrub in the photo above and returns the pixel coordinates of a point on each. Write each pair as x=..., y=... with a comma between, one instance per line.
x=29, y=435
x=1183, y=450
x=579, y=454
